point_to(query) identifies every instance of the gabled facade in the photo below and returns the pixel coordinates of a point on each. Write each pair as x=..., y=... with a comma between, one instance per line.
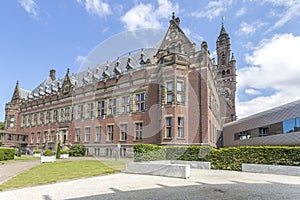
x=173, y=95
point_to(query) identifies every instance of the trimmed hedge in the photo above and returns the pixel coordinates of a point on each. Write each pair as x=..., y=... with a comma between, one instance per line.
x=7, y=154
x=48, y=153
x=225, y=158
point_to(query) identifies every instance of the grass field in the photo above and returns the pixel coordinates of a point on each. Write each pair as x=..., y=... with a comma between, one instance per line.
x=57, y=171
x=19, y=158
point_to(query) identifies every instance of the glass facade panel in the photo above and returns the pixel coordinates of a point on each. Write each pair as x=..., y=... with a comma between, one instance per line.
x=289, y=126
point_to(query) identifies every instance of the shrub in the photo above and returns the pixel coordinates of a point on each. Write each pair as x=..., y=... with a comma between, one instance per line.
x=7, y=154
x=1, y=155
x=225, y=158
x=48, y=153
x=58, y=151
x=36, y=151
x=77, y=150
x=64, y=152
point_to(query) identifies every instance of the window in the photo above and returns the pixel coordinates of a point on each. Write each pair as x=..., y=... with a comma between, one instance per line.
x=52, y=137
x=289, y=125
x=45, y=139
x=11, y=121
x=110, y=132
x=126, y=104
x=140, y=102
x=180, y=92
x=123, y=132
x=23, y=121
x=101, y=108
x=32, y=138
x=90, y=110
x=169, y=127
x=55, y=115
x=87, y=134
x=77, y=135
x=29, y=119
x=68, y=114
x=35, y=120
x=98, y=134
x=263, y=131
x=80, y=112
x=48, y=116
x=112, y=106
x=62, y=115
x=38, y=137
x=180, y=127
x=169, y=93
x=138, y=131
x=243, y=135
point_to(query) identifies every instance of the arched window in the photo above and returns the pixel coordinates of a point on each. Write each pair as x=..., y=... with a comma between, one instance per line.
x=228, y=71
x=223, y=72
x=223, y=59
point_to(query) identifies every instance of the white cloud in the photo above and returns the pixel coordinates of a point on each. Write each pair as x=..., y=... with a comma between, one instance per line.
x=30, y=7
x=241, y=12
x=96, y=7
x=148, y=16
x=249, y=29
x=213, y=9
x=273, y=65
x=81, y=59
x=292, y=12
x=252, y=91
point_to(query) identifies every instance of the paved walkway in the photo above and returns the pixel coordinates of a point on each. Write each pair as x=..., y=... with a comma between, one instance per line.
x=13, y=168
x=203, y=184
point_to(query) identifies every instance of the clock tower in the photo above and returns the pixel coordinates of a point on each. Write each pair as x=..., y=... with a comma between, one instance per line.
x=226, y=68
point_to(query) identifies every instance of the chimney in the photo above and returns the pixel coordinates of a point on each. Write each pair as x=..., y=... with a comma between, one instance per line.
x=52, y=74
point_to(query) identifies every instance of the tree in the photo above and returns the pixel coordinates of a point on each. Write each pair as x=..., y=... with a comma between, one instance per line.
x=19, y=151
x=1, y=125
x=58, y=151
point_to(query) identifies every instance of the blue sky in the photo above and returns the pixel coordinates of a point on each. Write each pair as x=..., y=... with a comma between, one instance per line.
x=37, y=36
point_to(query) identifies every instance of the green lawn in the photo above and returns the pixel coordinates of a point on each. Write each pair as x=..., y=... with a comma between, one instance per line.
x=22, y=158
x=52, y=172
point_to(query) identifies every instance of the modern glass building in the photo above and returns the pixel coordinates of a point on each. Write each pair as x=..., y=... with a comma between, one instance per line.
x=277, y=126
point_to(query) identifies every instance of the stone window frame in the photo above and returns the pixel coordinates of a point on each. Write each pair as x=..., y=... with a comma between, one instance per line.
x=98, y=133
x=125, y=104
x=180, y=127
x=140, y=101
x=80, y=112
x=77, y=134
x=123, y=132
x=87, y=134
x=110, y=132
x=168, y=126
x=90, y=110
x=138, y=130
x=101, y=108
x=180, y=92
x=112, y=105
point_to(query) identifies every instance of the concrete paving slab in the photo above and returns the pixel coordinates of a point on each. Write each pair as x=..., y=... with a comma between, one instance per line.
x=203, y=184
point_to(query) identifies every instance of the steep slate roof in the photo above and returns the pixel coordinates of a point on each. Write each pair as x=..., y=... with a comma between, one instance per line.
x=91, y=75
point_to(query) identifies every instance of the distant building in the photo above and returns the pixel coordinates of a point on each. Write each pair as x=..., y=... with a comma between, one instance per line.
x=167, y=96
x=277, y=126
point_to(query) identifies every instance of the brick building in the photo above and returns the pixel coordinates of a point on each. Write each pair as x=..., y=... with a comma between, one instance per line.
x=170, y=95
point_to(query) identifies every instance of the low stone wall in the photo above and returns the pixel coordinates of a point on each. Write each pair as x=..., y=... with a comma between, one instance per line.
x=159, y=169
x=192, y=164
x=272, y=169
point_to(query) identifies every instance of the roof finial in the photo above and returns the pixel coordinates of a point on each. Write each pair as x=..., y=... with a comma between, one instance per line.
x=223, y=19
x=68, y=70
x=173, y=15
